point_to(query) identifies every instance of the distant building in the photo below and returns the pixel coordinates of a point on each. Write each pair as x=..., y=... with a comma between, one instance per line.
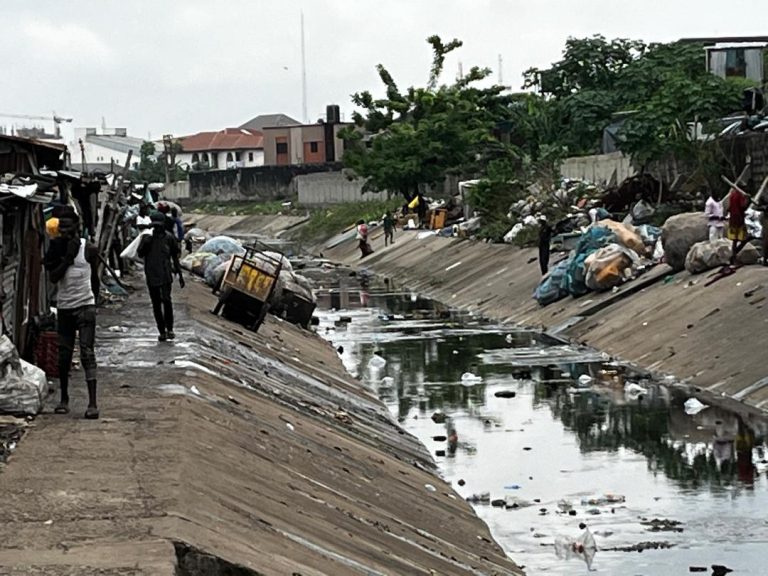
x=104, y=146
x=227, y=149
x=305, y=143
x=735, y=57
x=269, y=121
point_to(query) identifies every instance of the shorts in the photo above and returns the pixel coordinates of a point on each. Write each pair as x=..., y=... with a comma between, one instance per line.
x=737, y=233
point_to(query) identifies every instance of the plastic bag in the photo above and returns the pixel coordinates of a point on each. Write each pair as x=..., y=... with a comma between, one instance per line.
x=552, y=287
x=196, y=261
x=214, y=274
x=605, y=267
x=649, y=234
x=223, y=245
x=510, y=236
x=23, y=386
x=583, y=547
x=625, y=236
x=131, y=251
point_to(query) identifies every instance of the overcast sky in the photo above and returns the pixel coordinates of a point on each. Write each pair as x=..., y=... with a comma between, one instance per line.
x=182, y=66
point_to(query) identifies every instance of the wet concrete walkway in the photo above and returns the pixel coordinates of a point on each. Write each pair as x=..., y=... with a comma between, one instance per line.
x=227, y=450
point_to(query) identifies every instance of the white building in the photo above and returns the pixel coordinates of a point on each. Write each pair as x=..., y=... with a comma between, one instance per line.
x=104, y=146
x=227, y=149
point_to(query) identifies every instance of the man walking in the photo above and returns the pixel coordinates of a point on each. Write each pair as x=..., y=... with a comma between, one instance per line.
x=545, y=238
x=72, y=265
x=160, y=252
x=389, y=228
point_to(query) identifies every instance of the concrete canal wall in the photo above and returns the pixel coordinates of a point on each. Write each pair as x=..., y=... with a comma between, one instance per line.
x=711, y=337
x=228, y=452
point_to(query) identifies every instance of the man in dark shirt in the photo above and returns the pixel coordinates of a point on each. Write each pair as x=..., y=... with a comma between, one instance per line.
x=545, y=237
x=160, y=252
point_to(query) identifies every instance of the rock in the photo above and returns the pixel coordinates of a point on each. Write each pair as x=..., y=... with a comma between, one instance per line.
x=498, y=503
x=707, y=255
x=438, y=418
x=720, y=570
x=680, y=233
x=505, y=394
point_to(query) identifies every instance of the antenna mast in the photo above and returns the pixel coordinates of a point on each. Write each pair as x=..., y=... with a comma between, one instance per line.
x=501, y=73
x=305, y=118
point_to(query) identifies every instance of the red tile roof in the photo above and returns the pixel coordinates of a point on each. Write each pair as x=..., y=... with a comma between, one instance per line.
x=227, y=139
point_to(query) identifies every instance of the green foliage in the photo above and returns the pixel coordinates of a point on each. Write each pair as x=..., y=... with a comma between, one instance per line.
x=326, y=222
x=152, y=167
x=413, y=139
x=239, y=208
x=665, y=86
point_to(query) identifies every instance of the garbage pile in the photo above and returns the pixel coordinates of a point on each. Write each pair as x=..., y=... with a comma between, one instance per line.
x=293, y=297
x=23, y=386
x=608, y=253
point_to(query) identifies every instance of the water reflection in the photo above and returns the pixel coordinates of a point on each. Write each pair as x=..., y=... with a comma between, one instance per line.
x=593, y=426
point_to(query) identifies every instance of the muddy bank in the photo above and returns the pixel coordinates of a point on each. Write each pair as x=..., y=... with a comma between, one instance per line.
x=233, y=453
x=709, y=337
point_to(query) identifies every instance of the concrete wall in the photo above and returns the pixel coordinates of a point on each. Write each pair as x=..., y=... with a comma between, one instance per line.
x=332, y=188
x=598, y=168
x=176, y=191
x=262, y=183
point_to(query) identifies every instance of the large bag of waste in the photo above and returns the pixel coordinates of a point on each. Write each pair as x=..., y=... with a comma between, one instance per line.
x=196, y=262
x=552, y=286
x=707, y=255
x=286, y=264
x=23, y=386
x=593, y=239
x=131, y=251
x=214, y=274
x=605, y=267
x=680, y=233
x=210, y=265
x=649, y=234
x=625, y=235
x=223, y=245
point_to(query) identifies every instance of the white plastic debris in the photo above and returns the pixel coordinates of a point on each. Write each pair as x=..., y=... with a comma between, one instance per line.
x=469, y=379
x=633, y=390
x=693, y=406
x=430, y=488
x=376, y=362
x=585, y=380
x=23, y=386
x=387, y=382
x=583, y=547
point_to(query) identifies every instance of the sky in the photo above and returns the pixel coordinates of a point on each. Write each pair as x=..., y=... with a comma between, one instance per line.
x=182, y=66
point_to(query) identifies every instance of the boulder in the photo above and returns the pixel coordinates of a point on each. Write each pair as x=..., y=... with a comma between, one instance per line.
x=680, y=233
x=707, y=255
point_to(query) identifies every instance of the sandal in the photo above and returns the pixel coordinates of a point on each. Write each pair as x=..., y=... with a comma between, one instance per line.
x=61, y=408
x=91, y=413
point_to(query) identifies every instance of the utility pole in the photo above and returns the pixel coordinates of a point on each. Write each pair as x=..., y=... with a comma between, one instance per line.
x=167, y=144
x=461, y=70
x=305, y=118
x=501, y=72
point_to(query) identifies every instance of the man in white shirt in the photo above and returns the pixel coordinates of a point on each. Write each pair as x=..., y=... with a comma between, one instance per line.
x=713, y=209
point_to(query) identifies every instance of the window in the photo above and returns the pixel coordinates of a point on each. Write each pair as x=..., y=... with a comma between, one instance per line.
x=250, y=156
x=735, y=63
x=281, y=147
x=229, y=158
x=195, y=158
x=205, y=158
x=237, y=156
x=313, y=147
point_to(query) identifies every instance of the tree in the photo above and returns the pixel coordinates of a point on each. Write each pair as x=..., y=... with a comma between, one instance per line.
x=413, y=139
x=152, y=166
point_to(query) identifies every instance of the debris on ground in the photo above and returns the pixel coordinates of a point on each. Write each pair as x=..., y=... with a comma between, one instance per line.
x=693, y=406
x=23, y=386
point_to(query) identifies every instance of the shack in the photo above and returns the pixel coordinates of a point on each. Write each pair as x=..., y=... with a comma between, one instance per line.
x=26, y=187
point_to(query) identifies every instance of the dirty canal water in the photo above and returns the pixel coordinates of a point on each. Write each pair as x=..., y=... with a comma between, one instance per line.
x=544, y=438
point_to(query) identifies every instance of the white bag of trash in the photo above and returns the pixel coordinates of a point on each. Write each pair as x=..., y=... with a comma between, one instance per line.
x=693, y=406
x=510, y=236
x=23, y=386
x=583, y=547
x=376, y=362
x=469, y=379
x=131, y=251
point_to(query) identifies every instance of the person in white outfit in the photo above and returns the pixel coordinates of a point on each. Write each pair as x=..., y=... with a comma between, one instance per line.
x=713, y=209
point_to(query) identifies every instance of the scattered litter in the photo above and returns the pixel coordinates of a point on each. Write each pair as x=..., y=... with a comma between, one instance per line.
x=634, y=390
x=505, y=394
x=438, y=418
x=469, y=379
x=482, y=498
x=376, y=362
x=430, y=488
x=289, y=426
x=121, y=329
x=583, y=547
x=585, y=380
x=693, y=406
x=452, y=266
x=512, y=487
x=515, y=503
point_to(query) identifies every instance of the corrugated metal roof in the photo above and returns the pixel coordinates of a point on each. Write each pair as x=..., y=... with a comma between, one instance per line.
x=122, y=144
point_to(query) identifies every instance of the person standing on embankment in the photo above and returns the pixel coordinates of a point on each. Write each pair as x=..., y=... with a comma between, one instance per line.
x=72, y=265
x=160, y=251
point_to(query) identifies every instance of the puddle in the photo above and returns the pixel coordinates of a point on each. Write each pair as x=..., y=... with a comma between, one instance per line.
x=579, y=433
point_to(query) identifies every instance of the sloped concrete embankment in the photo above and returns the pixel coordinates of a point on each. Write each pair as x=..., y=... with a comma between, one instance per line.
x=709, y=336
x=229, y=453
